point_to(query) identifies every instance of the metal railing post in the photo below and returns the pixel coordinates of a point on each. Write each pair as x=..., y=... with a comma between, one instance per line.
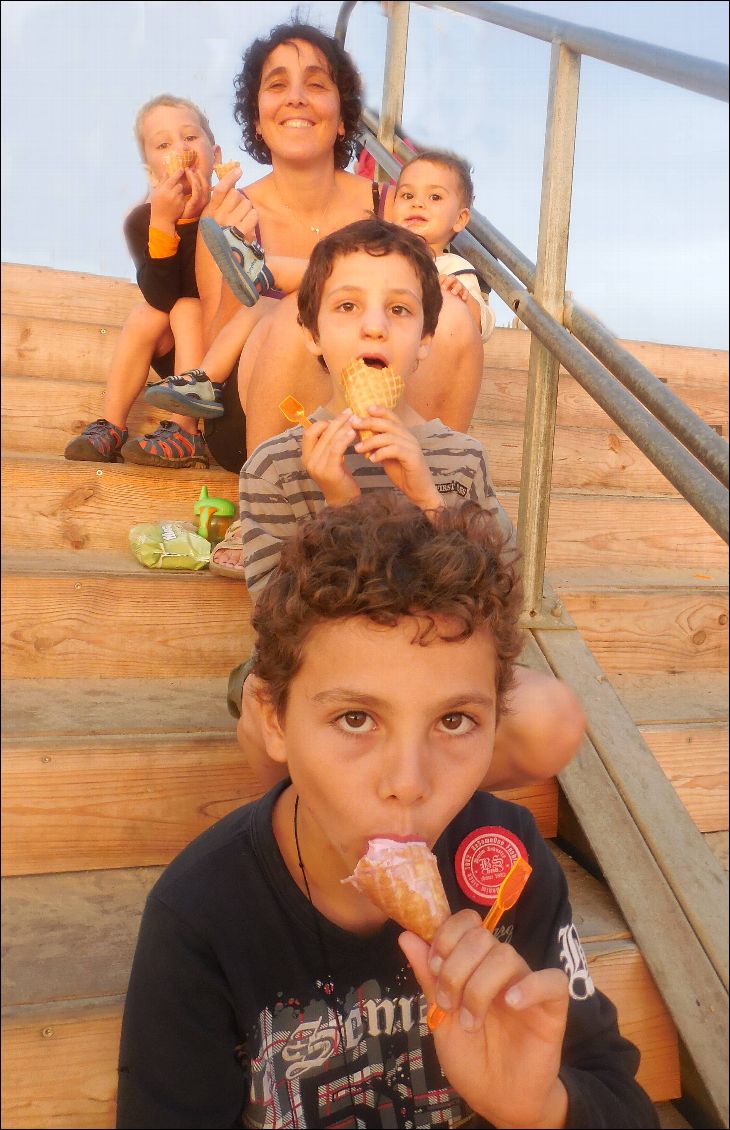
x=394, y=77
x=552, y=257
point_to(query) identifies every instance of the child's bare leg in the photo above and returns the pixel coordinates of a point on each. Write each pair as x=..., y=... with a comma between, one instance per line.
x=539, y=736
x=274, y=364
x=225, y=350
x=145, y=333
x=250, y=735
x=186, y=323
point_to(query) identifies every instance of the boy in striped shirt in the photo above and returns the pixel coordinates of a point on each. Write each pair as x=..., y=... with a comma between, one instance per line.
x=371, y=292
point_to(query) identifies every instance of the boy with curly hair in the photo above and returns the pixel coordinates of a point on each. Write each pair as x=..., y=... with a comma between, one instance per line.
x=265, y=991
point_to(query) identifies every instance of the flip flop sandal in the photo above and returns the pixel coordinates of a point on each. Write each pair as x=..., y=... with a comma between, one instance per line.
x=242, y=264
x=232, y=541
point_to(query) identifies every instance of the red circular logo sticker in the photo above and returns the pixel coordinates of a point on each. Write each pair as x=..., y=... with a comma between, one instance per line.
x=483, y=860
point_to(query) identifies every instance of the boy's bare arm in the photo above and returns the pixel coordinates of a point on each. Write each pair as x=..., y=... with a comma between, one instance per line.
x=401, y=455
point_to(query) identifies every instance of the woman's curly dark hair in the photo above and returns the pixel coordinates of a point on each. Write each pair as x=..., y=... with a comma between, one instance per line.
x=383, y=558
x=343, y=72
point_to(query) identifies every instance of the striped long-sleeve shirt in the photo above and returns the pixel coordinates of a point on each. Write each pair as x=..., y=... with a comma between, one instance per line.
x=276, y=493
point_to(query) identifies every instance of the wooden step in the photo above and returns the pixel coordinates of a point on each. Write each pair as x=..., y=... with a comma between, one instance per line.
x=585, y=458
x=90, y=804
x=54, y=503
x=89, y=615
x=503, y=396
x=78, y=707
x=41, y=416
x=42, y=292
x=92, y=506
x=645, y=630
x=61, y=1016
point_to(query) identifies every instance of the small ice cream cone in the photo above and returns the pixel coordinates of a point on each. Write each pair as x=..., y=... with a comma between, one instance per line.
x=364, y=385
x=403, y=880
x=186, y=159
x=221, y=169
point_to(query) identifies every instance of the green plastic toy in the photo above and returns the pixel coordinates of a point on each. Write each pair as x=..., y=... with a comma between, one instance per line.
x=216, y=515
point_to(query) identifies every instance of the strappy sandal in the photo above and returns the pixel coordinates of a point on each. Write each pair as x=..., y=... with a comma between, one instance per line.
x=232, y=541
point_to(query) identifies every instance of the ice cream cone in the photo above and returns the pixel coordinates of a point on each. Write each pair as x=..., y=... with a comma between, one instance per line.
x=364, y=385
x=221, y=169
x=187, y=159
x=403, y=880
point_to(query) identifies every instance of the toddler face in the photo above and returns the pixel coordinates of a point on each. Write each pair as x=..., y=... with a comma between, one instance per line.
x=428, y=201
x=175, y=130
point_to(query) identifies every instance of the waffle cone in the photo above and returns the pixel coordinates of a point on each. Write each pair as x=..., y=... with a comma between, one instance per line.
x=221, y=170
x=185, y=160
x=364, y=385
x=403, y=880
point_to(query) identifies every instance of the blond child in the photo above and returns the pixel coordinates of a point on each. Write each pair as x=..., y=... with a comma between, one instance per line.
x=164, y=330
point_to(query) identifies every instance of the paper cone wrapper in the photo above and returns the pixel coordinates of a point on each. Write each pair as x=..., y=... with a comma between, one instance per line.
x=185, y=160
x=403, y=880
x=364, y=386
x=221, y=170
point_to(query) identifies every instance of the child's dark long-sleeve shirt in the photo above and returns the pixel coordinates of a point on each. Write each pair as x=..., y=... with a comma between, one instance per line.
x=162, y=281
x=231, y=1018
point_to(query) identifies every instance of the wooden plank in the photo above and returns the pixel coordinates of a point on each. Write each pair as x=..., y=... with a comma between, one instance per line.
x=674, y=937
x=688, y=698
x=43, y=349
x=92, y=506
x=136, y=801
x=68, y=406
x=60, y=1067
x=96, y=913
x=43, y=292
x=696, y=763
x=36, y=708
x=116, y=803
x=503, y=396
x=135, y=626
x=718, y=845
x=623, y=976
x=653, y=631
x=584, y=458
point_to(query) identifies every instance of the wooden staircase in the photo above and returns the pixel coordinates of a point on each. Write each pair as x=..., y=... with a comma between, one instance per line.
x=117, y=745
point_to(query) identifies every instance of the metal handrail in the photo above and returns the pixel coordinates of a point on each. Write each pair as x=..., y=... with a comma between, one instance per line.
x=701, y=489
x=696, y=435
x=704, y=76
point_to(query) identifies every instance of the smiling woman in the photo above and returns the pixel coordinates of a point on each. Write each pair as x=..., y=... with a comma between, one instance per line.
x=298, y=103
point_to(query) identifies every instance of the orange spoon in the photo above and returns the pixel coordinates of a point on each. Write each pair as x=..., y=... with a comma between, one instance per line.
x=509, y=891
x=294, y=411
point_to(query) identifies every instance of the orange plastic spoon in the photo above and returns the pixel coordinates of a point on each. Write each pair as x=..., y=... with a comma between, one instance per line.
x=509, y=891
x=294, y=411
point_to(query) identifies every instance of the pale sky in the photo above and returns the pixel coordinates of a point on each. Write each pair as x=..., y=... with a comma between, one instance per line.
x=649, y=233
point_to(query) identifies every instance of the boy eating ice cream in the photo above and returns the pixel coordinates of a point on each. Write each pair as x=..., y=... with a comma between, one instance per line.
x=370, y=300
x=265, y=990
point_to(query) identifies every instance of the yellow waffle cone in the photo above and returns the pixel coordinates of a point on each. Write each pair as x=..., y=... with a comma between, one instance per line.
x=404, y=881
x=185, y=160
x=364, y=386
x=221, y=170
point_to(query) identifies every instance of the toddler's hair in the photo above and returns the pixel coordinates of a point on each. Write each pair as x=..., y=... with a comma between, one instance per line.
x=384, y=558
x=458, y=166
x=169, y=100
x=376, y=237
